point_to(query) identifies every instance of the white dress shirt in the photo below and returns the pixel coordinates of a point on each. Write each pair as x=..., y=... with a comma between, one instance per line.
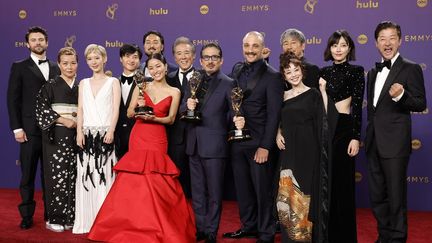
x=380, y=80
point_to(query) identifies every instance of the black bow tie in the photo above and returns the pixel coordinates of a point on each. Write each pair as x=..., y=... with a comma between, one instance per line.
x=380, y=65
x=125, y=79
x=42, y=61
x=188, y=71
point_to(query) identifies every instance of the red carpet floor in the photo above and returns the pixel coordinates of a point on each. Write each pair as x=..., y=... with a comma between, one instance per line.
x=420, y=224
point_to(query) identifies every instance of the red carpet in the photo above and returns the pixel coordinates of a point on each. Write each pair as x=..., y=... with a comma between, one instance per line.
x=420, y=224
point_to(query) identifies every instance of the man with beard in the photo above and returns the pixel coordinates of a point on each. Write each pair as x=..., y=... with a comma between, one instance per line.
x=184, y=54
x=130, y=57
x=253, y=165
x=25, y=80
x=293, y=40
x=153, y=42
x=207, y=145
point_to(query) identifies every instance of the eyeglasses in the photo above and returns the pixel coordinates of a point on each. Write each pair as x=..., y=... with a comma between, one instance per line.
x=213, y=58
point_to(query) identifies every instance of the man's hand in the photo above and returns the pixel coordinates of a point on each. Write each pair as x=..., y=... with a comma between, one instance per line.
x=239, y=122
x=21, y=137
x=395, y=90
x=261, y=155
x=191, y=103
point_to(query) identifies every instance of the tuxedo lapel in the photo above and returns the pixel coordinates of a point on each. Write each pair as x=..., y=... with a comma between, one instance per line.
x=52, y=70
x=35, y=70
x=371, y=85
x=130, y=94
x=394, y=71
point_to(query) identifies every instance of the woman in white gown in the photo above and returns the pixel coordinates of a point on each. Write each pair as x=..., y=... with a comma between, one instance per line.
x=98, y=107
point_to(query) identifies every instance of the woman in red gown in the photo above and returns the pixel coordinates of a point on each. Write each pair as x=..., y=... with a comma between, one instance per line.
x=146, y=202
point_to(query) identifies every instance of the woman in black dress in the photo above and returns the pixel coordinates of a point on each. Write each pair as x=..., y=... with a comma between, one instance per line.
x=300, y=141
x=56, y=111
x=345, y=87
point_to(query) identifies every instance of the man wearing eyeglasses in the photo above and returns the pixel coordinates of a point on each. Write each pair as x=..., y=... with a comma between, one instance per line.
x=207, y=145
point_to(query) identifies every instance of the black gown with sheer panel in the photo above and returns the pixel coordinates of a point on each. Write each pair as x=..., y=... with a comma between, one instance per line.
x=344, y=81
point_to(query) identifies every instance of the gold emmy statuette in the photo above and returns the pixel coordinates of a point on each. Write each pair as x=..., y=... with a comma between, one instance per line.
x=237, y=135
x=141, y=82
x=194, y=82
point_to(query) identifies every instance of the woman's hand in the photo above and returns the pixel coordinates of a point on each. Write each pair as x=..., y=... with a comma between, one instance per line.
x=146, y=117
x=322, y=85
x=280, y=140
x=353, y=147
x=80, y=140
x=109, y=137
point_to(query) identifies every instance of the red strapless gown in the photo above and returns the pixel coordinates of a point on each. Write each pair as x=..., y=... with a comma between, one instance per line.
x=146, y=202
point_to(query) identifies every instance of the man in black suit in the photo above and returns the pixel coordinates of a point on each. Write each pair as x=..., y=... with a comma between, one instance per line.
x=395, y=87
x=293, y=40
x=184, y=54
x=154, y=42
x=25, y=80
x=253, y=165
x=130, y=57
x=207, y=144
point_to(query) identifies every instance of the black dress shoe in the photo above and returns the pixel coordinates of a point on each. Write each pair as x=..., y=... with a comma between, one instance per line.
x=200, y=236
x=211, y=238
x=240, y=234
x=26, y=223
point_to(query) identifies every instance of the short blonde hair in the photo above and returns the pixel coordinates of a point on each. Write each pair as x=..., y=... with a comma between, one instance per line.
x=97, y=49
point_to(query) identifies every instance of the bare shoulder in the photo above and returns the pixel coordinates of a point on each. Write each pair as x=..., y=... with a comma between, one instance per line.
x=173, y=91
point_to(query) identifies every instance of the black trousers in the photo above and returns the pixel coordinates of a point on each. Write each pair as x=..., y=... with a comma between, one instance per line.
x=30, y=154
x=342, y=218
x=254, y=187
x=388, y=194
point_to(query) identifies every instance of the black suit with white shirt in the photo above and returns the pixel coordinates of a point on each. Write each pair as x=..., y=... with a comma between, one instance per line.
x=388, y=143
x=25, y=81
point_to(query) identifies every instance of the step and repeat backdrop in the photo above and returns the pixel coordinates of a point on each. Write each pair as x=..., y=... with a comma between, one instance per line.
x=112, y=23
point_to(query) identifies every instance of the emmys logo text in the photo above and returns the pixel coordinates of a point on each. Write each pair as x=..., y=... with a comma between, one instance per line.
x=65, y=13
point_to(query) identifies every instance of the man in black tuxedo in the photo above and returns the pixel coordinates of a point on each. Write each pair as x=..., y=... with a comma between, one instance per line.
x=130, y=57
x=25, y=80
x=184, y=54
x=253, y=165
x=395, y=87
x=207, y=144
x=293, y=40
x=154, y=42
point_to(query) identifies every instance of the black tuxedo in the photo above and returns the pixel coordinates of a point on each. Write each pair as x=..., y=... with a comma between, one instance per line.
x=25, y=81
x=124, y=125
x=177, y=137
x=388, y=146
x=263, y=91
x=207, y=148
